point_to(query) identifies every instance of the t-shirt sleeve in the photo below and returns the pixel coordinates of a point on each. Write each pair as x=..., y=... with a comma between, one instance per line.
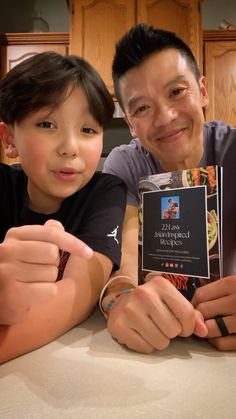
x=120, y=163
x=102, y=229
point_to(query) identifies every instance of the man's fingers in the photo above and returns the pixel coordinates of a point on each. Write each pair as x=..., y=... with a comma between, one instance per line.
x=228, y=343
x=221, y=306
x=215, y=290
x=52, y=232
x=213, y=329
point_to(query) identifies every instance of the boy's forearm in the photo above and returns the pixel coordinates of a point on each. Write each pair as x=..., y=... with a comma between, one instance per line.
x=72, y=304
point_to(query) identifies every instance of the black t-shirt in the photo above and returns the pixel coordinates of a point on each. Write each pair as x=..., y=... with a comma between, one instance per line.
x=94, y=214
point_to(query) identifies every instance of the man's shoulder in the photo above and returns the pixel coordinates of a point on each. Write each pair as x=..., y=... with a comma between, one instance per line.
x=219, y=130
x=129, y=157
x=127, y=150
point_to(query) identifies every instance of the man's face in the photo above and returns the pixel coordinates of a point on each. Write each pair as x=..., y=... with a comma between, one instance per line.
x=163, y=106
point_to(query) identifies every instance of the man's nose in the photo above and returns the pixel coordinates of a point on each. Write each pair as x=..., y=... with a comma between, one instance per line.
x=164, y=114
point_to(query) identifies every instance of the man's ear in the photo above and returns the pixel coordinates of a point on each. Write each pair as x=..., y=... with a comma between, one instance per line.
x=7, y=140
x=203, y=91
x=132, y=132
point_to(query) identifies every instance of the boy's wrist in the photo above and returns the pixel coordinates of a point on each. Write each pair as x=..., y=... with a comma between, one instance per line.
x=110, y=300
x=117, y=285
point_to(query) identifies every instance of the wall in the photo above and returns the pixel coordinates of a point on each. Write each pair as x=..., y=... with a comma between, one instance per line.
x=16, y=15
x=214, y=11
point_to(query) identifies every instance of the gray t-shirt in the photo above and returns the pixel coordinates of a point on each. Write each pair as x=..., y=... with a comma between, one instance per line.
x=131, y=162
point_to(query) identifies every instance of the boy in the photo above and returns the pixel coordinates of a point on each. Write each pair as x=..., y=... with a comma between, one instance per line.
x=53, y=110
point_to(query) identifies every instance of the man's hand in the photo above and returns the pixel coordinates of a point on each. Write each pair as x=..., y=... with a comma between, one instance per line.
x=29, y=259
x=218, y=299
x=153, y=314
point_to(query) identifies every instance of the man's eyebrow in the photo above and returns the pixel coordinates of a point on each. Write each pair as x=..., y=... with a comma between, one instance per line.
x=180, y=77
x=133, y=100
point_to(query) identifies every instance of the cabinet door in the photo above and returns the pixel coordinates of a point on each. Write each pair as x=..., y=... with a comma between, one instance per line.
x=96, y=26
x=17, y=53
x=180, y=16
x=13, y=55
x=220, y=71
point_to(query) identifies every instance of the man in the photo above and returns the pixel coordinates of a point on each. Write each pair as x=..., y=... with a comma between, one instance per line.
x=162, y=94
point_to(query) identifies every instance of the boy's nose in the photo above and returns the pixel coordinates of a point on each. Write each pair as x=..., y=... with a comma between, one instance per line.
x=69, y=147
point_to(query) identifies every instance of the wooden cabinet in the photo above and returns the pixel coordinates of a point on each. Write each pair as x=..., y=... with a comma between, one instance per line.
x=220, y=72
x=96, y=26
x=16, y=47
x=180, y=16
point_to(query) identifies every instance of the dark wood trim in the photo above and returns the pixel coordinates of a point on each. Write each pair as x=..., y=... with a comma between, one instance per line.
x=219, y=35
x=33, y=38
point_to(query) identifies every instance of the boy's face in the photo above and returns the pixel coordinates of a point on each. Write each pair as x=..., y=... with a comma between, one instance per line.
x=163, y=107
x=59, y=151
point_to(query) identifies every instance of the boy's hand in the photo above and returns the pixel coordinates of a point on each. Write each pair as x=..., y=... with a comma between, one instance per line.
x=29, y=259
x=153, y=314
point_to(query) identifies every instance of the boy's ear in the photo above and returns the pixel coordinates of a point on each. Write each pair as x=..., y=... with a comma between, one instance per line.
x=7, y=140
x=132, y=132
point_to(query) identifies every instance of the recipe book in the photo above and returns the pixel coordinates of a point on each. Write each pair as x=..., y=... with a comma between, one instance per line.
x=180, y=227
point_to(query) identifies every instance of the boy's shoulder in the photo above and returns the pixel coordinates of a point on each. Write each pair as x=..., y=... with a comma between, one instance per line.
x=105, y=180
x=12, y=173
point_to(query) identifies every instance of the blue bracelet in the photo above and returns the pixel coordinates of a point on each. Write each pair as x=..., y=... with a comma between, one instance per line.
x=114, y=299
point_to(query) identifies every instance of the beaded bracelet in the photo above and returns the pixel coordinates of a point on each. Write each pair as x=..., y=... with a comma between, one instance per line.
x=112, y=301
x=104, y=290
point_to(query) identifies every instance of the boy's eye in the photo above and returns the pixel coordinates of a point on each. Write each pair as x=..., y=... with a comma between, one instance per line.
x=87, y=130
x=45, y=124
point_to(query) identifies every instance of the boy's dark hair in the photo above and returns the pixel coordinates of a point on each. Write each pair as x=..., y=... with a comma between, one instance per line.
x=139, y=43
x=43, y=81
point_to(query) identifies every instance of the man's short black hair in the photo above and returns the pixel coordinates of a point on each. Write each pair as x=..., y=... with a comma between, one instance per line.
x=139, y=43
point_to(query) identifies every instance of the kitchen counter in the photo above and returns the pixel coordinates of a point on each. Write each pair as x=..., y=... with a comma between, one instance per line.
x=86, y=374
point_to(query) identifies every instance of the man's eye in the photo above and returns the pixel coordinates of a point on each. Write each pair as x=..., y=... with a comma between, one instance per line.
x=87, y=130
x=45, y=124
x=141, y=109
x=178, y=91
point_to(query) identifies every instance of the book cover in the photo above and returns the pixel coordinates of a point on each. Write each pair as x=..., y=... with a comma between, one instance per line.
x=180, y=235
